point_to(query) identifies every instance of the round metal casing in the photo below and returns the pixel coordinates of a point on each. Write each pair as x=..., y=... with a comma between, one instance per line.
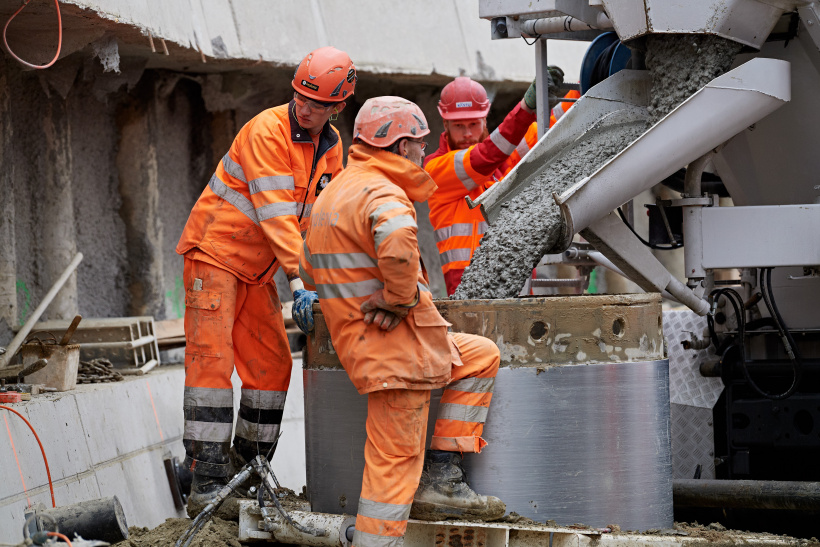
x=578, y=429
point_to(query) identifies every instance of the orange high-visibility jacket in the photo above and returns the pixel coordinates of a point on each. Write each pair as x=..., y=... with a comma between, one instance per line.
x=362, y=238
x=250, y=218
x=469, y=172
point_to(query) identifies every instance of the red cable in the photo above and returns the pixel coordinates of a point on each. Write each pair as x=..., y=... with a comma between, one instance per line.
x=48, y=471
x=59, y=38
x=61, y=536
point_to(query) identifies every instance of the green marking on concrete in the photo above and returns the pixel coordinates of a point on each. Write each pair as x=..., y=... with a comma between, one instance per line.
x=593, y=282
x=21, y=286
x=177, y=298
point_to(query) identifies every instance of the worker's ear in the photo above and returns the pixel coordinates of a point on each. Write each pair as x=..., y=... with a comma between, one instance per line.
x=403, y=148
x=338, y=107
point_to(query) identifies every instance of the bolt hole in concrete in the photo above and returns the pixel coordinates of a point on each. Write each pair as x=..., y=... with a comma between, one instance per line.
x=619, y=327
x=539, y=331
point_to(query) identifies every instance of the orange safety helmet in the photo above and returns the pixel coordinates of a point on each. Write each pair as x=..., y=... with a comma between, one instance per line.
x=326, y=75
x=381, y=121
x=463, y=99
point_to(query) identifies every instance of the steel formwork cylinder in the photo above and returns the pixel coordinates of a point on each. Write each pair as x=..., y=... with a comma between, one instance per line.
x=578, y=429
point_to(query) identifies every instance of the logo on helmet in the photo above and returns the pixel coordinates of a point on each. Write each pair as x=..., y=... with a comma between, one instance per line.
x=309, y=85
x=351, y=75
x=464, y=104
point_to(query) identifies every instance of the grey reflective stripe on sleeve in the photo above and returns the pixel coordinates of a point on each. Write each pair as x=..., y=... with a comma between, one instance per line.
x=391, y=225
x=349, y=290
x=272, y=210
x=211, y=432
x=263, y=400
x=473, y=385
x=523, y=148
x=305, y=276
x=214, y=397
x=383, y=511
x=301, y=207
x=233, y=197
x=280, y=182
x=233, y=169
x=364, y=539
x=461, y=171
x=423, y=287
x=384, y=207
x=461, y=229
x=264, y=433
x=456, y=255
x=462, y=413
x=501, y=142
x=340, y=261
x=482, y=227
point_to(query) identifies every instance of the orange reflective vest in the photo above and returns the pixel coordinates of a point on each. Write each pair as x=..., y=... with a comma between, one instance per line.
x=468, y=172
x=250, y=218
x=362, y=238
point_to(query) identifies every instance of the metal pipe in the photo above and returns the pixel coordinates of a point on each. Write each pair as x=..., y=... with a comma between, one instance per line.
x=549, y=25
x=782, y=495
x=17, y=341
x=692, y=219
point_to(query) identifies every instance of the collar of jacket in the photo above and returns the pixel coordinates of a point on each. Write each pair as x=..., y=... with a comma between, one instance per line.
x=443, y=148
x=327, y=138
x=416, y=183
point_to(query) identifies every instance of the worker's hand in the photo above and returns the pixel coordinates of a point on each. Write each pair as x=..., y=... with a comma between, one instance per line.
x=556, y=74
x=530, y=100
x=303, y=309
x=377, y=311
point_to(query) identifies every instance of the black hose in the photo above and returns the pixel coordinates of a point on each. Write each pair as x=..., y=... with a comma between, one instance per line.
x=642, y=240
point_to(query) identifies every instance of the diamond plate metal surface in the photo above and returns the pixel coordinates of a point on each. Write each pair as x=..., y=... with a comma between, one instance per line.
x=686, y=385
x=693, y=442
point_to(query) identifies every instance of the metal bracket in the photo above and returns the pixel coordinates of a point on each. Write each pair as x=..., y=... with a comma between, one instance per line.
x=707, y=201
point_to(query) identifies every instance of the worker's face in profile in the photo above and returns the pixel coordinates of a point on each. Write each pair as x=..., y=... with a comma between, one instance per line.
x=312, y=115
x=463, y=134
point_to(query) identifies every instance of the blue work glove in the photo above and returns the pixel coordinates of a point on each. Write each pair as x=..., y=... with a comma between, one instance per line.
x=303, y=309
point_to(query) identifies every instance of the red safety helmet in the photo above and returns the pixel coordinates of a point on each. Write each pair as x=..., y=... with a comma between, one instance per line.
x=326, y=75
x=463, y=99
x=381, y=121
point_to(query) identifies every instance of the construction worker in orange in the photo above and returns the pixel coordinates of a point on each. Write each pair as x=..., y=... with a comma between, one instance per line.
x=362, y=256
x=469, y=160
x=248, y=223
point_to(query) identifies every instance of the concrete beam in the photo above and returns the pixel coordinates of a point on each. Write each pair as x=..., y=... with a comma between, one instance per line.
x=8, y=258
x=59, y=244
x=139, y=189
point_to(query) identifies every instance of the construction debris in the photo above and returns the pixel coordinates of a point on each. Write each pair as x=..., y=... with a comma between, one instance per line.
x=97, y=371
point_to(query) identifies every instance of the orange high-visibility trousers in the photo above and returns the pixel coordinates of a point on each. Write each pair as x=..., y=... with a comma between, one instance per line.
x=229, y=323
x=396, y=433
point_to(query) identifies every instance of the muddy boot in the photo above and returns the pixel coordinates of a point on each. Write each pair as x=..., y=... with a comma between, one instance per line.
x=443, y=492
x=203, y=491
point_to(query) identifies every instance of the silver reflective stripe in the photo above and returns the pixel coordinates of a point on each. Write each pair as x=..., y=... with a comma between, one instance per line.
x=558, y=111
x=214, y=397
x=456, y=255
x=384, y=207
x=461, y=229
x=383, y=511
x=263, y=184
x=264, y=433
x=462, y=413
x=339, y=261
x=363, y=539
x=391, y=225
x=264, y=400
x=423, y=287
x=307, y=253
x=211, y=432
x=272, y=210
x=233, y=169
x=482, y=227
x=300, y=207
x=473, y=385
x=349, y=290
x=461, y=171
x=233, y=197
x=522, y=148
x=501, y=142
x=305, y=276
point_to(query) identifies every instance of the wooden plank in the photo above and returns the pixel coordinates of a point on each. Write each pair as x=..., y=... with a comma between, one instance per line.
x=169, y=328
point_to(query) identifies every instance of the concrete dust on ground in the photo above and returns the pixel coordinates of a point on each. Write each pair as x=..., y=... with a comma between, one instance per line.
x=216, y=533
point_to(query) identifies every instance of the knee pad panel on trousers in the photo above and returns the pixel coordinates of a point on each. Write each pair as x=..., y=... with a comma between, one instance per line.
x=397, y=421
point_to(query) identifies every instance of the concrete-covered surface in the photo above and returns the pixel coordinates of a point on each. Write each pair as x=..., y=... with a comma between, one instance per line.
x=110, y=440
x=106, y=151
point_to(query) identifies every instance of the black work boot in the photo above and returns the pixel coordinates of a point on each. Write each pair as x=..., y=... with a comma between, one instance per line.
x=444, y=493
x=203, y=491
